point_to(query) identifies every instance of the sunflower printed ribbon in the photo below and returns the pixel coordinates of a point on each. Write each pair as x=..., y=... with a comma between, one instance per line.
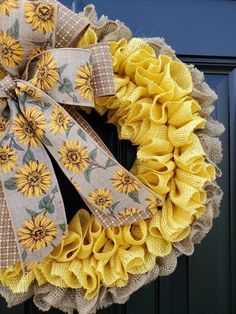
x=32, y=123
x=35, y=123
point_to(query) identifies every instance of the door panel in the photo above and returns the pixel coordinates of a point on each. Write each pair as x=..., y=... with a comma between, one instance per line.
x=204, y=283
x=191, y=27
x=209, y=269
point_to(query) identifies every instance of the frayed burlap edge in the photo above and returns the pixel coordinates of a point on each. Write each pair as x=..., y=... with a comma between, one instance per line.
x=13, y=299
x=69, y=300
x=106, y=29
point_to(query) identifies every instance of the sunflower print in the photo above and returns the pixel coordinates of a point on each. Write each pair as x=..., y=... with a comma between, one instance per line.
x=59, y=121
x=37, y=233
x=8, y=159
x=2, y=75
x=40, y=15
x=4, y=124
x=83, y=82
x=73, y=156
x=128, y=212
x=30, y=266
x=35, y=51
x=2, y=103
x=152, y=202
x=6, y=6
x=46, y=75
x=30, y=90
x=33, y=179
x=29, y=130
x=123, y=182
x=11, y=51
x=101, y=198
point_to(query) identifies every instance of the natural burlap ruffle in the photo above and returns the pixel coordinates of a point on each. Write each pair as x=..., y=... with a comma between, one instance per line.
x=69, y=299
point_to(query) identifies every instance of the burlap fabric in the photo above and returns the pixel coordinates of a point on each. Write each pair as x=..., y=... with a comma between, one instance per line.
x=69, y=300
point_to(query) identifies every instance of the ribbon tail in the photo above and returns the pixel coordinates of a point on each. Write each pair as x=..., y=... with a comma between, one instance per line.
x=31, y=190
x=9, y=254
x=90, y=169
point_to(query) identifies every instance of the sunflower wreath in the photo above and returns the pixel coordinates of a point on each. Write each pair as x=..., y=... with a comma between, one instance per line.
x=163, y=107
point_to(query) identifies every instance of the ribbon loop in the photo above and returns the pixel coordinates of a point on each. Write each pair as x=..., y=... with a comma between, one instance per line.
x=76, y=83
x=30, y=185
x=70, y=27
x=65, y=81
x=24, y=37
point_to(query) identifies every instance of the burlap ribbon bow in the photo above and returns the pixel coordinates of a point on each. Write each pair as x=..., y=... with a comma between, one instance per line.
x=33, y=126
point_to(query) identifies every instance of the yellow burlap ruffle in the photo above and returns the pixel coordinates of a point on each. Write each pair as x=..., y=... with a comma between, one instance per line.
x=154, y=110
x=91, y=255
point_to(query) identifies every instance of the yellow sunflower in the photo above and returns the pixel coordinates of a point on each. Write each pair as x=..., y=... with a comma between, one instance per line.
x=2, y=75
x=33, y=179
x=46, y=75
x=59, y=121
x=37, y=233
x=4, y=124
x=101, y=198
x=10, y=50
x=73, y=156
x=40, y=15
x=26, y=130
x=128, y=212
x=6, y=6
x=8, y=158
x=30, y=266
x=153, y=202
x=2, y=103
x=35, y=51
x=123, y=182
x=31, y=91
x=83, y=82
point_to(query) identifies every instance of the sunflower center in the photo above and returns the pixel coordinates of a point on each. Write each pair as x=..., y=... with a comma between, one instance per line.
x=4, y=157
x=34, y=178
x=2, y=126
x=38, y=233
x=43, y=72
x=31, y=92
x=60, y=120
x=127, y=179
x=44, y=12
x=101, y=200
x=74, y=157
x=30, y=126
x=28, y=130
x=6, y=51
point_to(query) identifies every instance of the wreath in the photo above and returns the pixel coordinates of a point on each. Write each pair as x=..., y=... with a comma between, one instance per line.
x=162, y=106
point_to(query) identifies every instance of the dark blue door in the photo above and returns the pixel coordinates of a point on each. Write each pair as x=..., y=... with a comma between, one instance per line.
x=203, y=33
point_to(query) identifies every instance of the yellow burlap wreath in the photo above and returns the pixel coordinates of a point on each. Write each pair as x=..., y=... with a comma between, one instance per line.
x=153, y=109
